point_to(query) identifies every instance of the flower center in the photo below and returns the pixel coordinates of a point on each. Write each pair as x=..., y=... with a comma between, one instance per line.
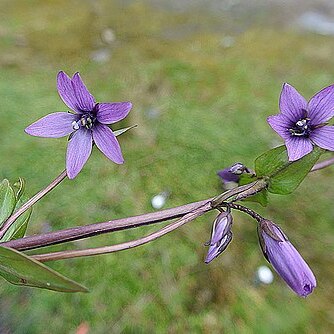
x=301, y=128
x=86, y=120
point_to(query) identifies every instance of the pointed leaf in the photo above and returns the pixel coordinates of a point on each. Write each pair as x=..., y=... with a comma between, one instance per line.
x=19, y=227
x=20, y=269
x=7, y=200
x=121, y=131
x=287, y=179
x=271, y=161
x=19, y=187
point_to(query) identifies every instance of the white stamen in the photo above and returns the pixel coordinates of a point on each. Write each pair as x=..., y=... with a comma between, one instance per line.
x=75, y=125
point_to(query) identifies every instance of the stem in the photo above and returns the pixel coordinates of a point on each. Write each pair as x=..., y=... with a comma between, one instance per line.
x=242, y=208
x=81, y=232
x=127, y=245
x=76, y=233
x=322, y=164
x=7, y=224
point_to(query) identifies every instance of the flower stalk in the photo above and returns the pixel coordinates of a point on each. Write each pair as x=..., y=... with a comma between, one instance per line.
x=33, y=200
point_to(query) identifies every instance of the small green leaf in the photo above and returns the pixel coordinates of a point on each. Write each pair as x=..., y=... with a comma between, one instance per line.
x=20, y=269
x=121, y=131
x=19, y=187
x=271, y=161
x=286, y=180
x=19, y=227
x=7, y=200
x=261, y=197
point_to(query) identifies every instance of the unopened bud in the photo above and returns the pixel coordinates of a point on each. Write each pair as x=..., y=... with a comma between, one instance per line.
x=221, y=235
x=285, y=259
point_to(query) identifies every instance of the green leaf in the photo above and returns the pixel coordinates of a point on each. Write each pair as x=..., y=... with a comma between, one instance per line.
x=19, y=187
x=288, y=178
x=261, y=197
x=271, y=161
x=121, y=131
x=20, y=269
x=19, y=227
x=7, y=200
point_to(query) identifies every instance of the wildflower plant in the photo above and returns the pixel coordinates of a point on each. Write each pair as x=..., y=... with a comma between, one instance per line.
x=304, y=127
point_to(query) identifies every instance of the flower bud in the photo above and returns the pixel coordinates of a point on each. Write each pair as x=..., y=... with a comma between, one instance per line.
x=232, y=173
x=285, y=259
x=221, y=235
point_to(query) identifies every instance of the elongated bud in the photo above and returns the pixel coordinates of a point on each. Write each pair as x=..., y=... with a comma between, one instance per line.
x=221, y=235
x=285, y=259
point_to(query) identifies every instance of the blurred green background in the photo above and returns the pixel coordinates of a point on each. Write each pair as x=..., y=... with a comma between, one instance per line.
x=203, y=77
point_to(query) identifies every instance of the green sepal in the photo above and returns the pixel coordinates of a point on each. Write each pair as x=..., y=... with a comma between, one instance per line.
x=20, y=269
x=7, y=201
x=121, y=131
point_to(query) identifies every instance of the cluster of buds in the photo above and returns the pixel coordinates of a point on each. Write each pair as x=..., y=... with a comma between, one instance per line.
x=276, y=248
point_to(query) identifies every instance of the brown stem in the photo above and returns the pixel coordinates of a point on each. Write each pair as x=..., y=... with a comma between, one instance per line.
x=7, y=224
x=81, y=232
x=127, y=245
x=86, y=231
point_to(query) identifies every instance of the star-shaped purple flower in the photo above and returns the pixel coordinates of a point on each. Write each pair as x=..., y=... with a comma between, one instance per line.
x=303, y=124
x=87, y=124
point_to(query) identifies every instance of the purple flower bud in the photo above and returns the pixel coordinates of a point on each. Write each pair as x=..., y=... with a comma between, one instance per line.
x=221, y=235
x=285, y=259
x=232, y=173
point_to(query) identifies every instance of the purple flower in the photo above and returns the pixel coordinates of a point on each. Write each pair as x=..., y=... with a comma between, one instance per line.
x=232, y=173
x=303, y=124
x=87, y=124
x=221, y=235
x=285, y=259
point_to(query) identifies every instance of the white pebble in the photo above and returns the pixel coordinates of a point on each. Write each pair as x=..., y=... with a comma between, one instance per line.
x=158, y=201
x=264, y=275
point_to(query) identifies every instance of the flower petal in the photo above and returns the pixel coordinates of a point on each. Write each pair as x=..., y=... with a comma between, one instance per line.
x=78, y=151
x=106, y=141
x=84, y=100
x=66, y=91
x=291, y=103
x=321, y=106
x=55, y=125
x=298, y=147
x=281, y=124
x=108, y=113
x=324, y=137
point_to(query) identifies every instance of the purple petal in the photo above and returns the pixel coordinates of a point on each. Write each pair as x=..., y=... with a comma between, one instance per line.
x=55, y=125
x=78, y=151
x=66, y=91
x=108, y=113
x=228, y=176
x=106, y=141
x=84, y=100
x=291, y=103
x=298, y=147
x=324, y=137
x=321, y=106
x=281, y=124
